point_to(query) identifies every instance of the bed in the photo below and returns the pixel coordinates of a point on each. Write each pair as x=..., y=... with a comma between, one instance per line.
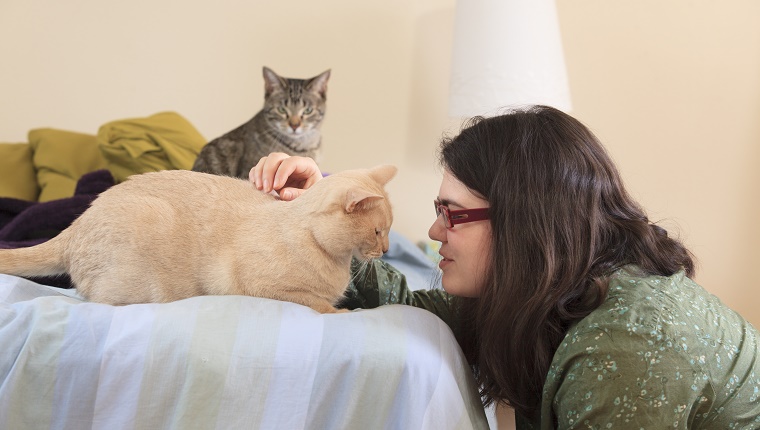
x=225, y=362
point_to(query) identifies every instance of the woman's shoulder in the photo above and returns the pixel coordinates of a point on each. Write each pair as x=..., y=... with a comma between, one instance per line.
x=657, y=341
x=674, y=305
x=642, y=317
x=669, y=313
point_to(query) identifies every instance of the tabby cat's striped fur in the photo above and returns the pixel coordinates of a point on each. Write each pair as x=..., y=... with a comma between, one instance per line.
x=289, y=122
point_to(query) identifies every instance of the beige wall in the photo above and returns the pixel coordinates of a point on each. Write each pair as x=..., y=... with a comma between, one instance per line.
x=673, y=88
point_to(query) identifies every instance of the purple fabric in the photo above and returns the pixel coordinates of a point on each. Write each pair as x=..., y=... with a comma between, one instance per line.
x=24, y=223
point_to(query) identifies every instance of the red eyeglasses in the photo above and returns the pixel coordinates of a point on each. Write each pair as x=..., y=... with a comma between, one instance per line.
x=452, y=218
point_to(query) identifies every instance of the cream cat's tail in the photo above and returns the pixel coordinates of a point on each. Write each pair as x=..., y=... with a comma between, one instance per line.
x=45, y=259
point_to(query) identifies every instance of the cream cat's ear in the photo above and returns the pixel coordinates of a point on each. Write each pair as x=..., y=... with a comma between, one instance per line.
x=359, y=198
x=383, y=174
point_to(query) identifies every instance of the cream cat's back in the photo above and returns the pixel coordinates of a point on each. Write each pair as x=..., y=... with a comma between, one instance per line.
x=191, y=191
x=163, y=228
x=176, y=206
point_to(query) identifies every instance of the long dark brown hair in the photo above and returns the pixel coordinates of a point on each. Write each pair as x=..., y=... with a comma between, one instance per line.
x=562, y=222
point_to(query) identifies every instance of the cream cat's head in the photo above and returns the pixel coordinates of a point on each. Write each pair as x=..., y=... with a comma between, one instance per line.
x=351, y=211
x=295, y=107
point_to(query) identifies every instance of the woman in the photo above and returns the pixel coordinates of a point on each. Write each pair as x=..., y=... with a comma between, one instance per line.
x=573, y=308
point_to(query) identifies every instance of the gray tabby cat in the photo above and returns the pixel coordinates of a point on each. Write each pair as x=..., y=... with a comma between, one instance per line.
x=289, y=122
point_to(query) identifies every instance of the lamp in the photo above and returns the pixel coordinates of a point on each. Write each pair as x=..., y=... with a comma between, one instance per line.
x=506, y=52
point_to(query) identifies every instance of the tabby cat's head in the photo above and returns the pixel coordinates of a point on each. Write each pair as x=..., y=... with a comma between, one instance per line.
x=295, y=107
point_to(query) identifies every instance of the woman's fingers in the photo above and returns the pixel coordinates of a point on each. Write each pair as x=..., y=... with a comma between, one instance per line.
x=290, y=193
x=278, y=171
x=300, y=172
x=262, y=174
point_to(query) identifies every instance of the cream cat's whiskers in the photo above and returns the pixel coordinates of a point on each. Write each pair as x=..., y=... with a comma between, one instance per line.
x=363, y=271
x=360, y=271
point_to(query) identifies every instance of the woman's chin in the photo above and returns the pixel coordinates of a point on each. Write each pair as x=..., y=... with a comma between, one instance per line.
x=458, y=286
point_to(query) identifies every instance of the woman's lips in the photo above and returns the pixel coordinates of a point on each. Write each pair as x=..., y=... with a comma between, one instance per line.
x=445, y=261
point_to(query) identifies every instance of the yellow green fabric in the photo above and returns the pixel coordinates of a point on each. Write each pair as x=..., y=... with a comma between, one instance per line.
x=61, y=158
x=162, y=141
x=17, y=176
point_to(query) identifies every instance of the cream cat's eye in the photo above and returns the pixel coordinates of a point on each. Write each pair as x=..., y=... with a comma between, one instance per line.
x=282, y=110
x=308, y=110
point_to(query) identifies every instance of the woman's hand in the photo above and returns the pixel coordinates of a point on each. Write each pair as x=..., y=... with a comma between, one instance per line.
x=286, y=175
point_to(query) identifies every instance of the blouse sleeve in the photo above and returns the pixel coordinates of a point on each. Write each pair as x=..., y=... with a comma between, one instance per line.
x=377, y=283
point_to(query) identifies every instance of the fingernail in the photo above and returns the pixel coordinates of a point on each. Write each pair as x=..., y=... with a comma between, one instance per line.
x=287, y=195
x=266, y=185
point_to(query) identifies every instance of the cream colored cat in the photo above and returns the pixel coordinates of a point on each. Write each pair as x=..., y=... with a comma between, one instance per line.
x=165, y=236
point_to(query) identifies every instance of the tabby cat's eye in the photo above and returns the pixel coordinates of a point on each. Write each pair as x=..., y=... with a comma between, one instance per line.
x=308, y=110
x=281, y=110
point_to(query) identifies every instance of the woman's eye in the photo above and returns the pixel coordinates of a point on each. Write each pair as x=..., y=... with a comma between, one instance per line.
x=308, y=110
x=282, y=110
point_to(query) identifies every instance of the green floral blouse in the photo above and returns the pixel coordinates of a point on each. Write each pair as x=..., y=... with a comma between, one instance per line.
x=660, y=353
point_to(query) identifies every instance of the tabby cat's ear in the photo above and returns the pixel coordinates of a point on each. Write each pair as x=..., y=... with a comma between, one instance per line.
x=383, y=174
x=358, y=198
x=318, y=84
x=272, y=82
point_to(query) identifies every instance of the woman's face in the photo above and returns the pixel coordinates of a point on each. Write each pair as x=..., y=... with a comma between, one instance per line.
x=465, y=248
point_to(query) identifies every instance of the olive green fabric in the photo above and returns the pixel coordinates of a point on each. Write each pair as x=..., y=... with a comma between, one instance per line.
x=162, y=141
x=18, y=178
x=61, y=158
x=660, y=352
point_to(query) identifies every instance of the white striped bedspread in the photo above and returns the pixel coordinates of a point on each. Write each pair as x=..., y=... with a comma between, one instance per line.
x=225, y=362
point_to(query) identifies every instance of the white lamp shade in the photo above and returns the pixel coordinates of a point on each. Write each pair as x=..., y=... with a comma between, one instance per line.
x=506, y=53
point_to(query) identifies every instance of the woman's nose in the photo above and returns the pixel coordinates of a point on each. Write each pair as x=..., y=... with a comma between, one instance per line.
x=437, y=231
